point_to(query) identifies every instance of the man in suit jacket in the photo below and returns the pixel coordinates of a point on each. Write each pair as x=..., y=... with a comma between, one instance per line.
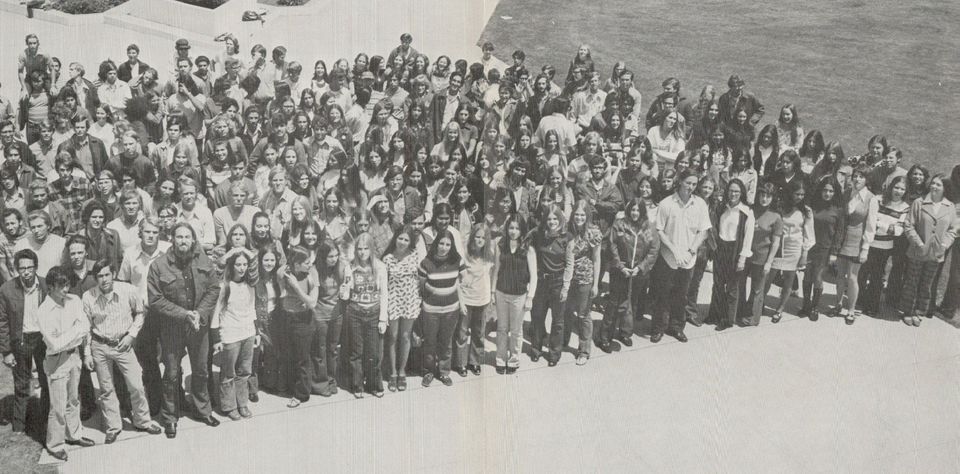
x=443, y=107
x=133, y=67
x=86, y=92
x=87, y=149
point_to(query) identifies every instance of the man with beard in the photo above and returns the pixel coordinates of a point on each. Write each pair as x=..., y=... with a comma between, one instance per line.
x=40, y=200
x=182, y=289
x=13, y=233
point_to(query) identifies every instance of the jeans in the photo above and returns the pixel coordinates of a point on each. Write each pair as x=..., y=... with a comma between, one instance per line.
x=547, y=298
x=179, y=338
x=236, y=365
x=298, y=360
x=950, y=306
x=469, y=337
x=63, y=422
x=105, y=358
x=438, y=329
x=326, y=354
x=759, y=285
x=364, y=348
x=509, y=328
x=148, y=356
x=669, y=314
x=578, y=315
x=691, y=308
x=29, y=352
x=271, y=366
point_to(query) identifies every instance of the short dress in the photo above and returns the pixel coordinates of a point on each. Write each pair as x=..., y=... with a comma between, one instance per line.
x=856, y=227
x=796, y=238
x=404, y=286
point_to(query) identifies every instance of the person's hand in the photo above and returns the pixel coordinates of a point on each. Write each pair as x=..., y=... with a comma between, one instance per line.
x=767, y=267
x=741, y=263
x=125, y=343
x=382, y=327
x=833, y=260
x=863, y=256
x=627, y=272
x=563, y=294
x=528, y=304
x=493, y=297
x=594, y=291
x=256, y=341
x=217, y=348
x=9, y=360
x=88, y=362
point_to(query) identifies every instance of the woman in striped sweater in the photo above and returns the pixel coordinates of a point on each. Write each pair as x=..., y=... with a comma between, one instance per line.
x=891, y=222
x=440, y=282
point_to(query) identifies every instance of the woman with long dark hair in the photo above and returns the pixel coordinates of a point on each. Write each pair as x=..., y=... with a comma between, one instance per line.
x=401, y=259
x=789, y=131
x=267, y=358
x=514, y=284
x=767, y=237
x=475, y=296
x=233, y=332
x=833, y=158
x=860, y=219
x=798, y=238
x=298, y=297
x=766, y=151
x=811, y=152
x=581, y=278
x=550, y=242
x=890, y=227
x=734, y=245
x=439, y=274
x=828, y=225
x=332, y=271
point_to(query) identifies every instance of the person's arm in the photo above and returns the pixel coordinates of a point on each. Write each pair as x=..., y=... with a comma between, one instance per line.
x=208, y=301
x=495, y=269
x=615, y=263
x=220, y=231
x=532, y=284
x=567, y=269
x=382, y=282
x=596, y=271
x=5, y=348
x=309, y=299
x=158, y=301
x=651, y=255
x=913, y=217
x=6, y=272
x=870, y=230
x=67, y=339
x=209, y=238
x=747, y=251
x=774, y=245
x=136, y=306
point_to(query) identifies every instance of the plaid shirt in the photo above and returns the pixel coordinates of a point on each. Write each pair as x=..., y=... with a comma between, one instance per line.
x=72, y=200
x=7, y=250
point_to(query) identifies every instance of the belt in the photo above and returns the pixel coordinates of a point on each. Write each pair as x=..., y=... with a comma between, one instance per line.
x=110, y=342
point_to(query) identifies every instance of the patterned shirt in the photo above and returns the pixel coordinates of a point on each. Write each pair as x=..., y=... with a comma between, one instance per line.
x=114, y=315
x=72, y=199
x=441, y=286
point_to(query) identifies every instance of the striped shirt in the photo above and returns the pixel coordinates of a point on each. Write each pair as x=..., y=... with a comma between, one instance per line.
x=890, y=224
x=114, y=315
x=441, y=285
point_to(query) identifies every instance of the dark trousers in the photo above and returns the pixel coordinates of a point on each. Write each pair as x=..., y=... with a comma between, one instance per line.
x=727, y=281
x=578, y=316
x=148, y=355
x=365, y=348
x=325, y=355
x=469, y=336
x=625, y=306
x=896, y=279
x=691, y=308
x=177, y=339
x=271, y=365
x=298, y=360
x=27, y=352
x=920, y=282
x=871, y=278
x=670, y=286
x=438, y=329
x=950, y=306
x=546, y=299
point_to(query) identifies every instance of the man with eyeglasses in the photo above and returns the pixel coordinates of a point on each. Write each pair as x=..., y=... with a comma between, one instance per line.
x=115, y=311
x=136, y=264
x=20, y=340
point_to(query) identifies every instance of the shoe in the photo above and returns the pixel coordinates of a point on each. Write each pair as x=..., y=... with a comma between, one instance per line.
x=850, y=318
x=82, y=442
x=908, y=320
x=722, y=327
x=171, y=431
x=461, y=371
x=59, y=455
x=358, y=394
x=535, y=357
x=511, y=370
x=656, y=337
x=377, y=393
x=916, y=321
x=244, y=412
x=401, y=383
x=210, y=421
x=153, y=429
x=625, y=340
x=234, y=415
x=776, y=317
x=814, y=315
x=446, y=380
x=474, y=369
x=254, y=397
x=552, y=362
x=293, y=403
x=694, y=322
x=582, y=360
x=606, y=347
x=392, y=384
x=427, y=379
x=110, y=437
x=680, y=336
x=501, y=369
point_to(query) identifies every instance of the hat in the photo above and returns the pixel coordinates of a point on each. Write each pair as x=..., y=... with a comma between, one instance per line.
x=734, y=81
x=367, y=75
x=183, y=44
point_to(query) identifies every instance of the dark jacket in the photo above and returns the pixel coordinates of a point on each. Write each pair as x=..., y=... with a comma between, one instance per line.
x=165, y=288
x=630, y=247
x=607, y=202
x=98, y=151
x=124, y=70
x=11, y=313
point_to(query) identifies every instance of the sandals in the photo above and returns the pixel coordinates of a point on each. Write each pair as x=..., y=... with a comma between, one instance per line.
x=401, y=383
x=293, y=403
x=392, y=384
x=850, y=317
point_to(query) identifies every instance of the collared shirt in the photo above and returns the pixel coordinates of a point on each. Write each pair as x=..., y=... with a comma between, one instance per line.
x=201, y=219
x=136, y=264
x=31, y=301
x=450, y=109
x=49, y=252
x=587, y=104
x=681, y=222
x=115, y=95
x=63, y=327
x=116, y=314
x=279, y=209
x=45, y=157
x=730, y=222
x=129, y=235
x=7, y=250
x=71, y=199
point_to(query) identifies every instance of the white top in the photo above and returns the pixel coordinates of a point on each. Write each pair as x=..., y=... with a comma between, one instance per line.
x=475, y=282
x=665, y=149
x=681, y=223
x=235, y=319
x=730, y=220
x=31, y=301
x=63, y=327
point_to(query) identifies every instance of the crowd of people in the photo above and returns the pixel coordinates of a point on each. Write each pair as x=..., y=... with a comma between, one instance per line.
x=345, y=227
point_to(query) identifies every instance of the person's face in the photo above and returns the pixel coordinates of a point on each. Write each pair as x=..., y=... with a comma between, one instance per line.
x=579, y=217
x=766, y=139
x=713, y=111
x=626, y=82
x=798, y=195
x=765, y=199
x=682, y=164
x=541, y=84
x=443, y=220
x=104, y=277
x=363, y=224
x=167, y=219
x=303, y=181
x=253, y=118
x=96, y=220
x=320, y=70
x=261, y=228
x=14, y=156
x=6, y=134
x=26, y=269
x=553, y=222
x=688, y=185
x=183, y=240
x=877, y=148
x=130, y=146
x=131, y=207
x=463, y=194
x=238, y=197
x=737, y=89
x=706, y=190
x=546, y=200
x=11, y=225
x=741, y=117
x=221, y=128
x=418, y=223
x=827, y=193
x=188, y=196
x=203, y=68
x=444, y=246
x=667, y=182
x=669, y=103
x=891, y=161
x=269, y=262
x=39, y=229
x=786, y=115
x=238, y=169
x=598, y=171
x=374, y=158
x=270, y=156
x=310, y=236
x=240, y=266
x=180, y=160
x=288, y=108
x=220, y=152
x=415, y=177
x=59, y=292
x=183, y=68
x=734, y=196
x=33, y=44
x=173, y=132
x=298, y=212
x=592, y=146
x=149, y=235
x=899, y=190
x=80, y=129
x=333, y=257
x=434, y=169
x=669, y=121
x=785, y=165
x=71, y=102
x=615, y=122
x=397, y=142
x=455, y=83
x=450, y=176
x=279, y=183
x=362, y=251
x=73, y=71
x=78, y=255
x=332, y=202
x=594, y=83
x=513, y=231
x=858, y=180
x=105, y=184
x=916, y=176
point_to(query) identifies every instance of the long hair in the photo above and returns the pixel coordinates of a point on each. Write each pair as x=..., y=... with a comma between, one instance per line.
x=793, y=124
x=888, y=191
x=787, y=202
x=246, y=234
x=813, y=144
x=411, y=234
x=816, y=201
x=641, y=207
x=572, y=228
x=452, y=256
x=323, y=251
x=522, y=241
x=768, y=188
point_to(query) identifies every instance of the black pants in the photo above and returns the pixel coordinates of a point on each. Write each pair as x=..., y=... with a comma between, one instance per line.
x=177, y=339
x=325, y=356
x=148, y=355
x=364, y=348
x=546, y=299
x=298, y=362
x=691, y=308
x=670, y=286
x=27, y=352
x=625, y=306
x=727, y=281
x=270, y=366
x=872, y=276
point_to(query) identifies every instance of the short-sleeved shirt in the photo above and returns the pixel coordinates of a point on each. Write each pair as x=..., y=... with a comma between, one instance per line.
x=681, y=222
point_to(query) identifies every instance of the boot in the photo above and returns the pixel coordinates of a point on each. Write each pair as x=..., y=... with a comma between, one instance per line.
x=814, y=302
x=806, y=309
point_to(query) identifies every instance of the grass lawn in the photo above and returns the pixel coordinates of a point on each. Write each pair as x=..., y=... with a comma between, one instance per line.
x=18, y=452
x=853, y=68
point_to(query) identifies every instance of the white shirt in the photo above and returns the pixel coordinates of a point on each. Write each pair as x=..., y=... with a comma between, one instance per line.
x=201, y=219
x=136, y=264
x=129, y=236
x=63, y=327
x=730, y=220
x=31, y=301
x=681, y=222
x=236, y=319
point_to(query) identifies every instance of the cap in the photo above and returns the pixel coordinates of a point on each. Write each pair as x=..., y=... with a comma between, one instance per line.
x=182, y=43
x=734, y=81
x=367, y=75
